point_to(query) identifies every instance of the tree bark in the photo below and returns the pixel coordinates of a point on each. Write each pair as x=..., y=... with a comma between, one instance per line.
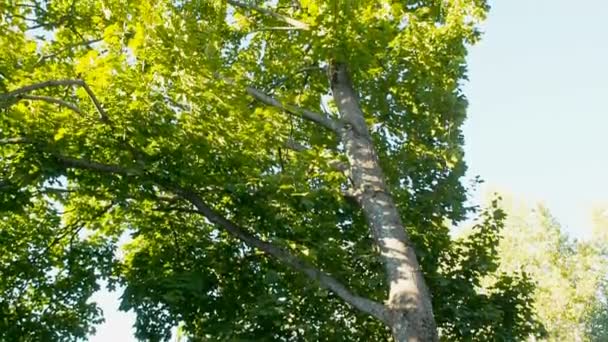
x=409, y=303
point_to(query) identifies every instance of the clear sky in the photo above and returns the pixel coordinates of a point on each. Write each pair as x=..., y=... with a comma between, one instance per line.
x=538, y=93
x=538, y=118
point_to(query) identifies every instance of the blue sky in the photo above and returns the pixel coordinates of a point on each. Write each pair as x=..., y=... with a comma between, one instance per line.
x=538, y=112
x=538, y=93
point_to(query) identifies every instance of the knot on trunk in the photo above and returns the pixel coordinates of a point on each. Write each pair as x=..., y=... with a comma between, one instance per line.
x=404, y=302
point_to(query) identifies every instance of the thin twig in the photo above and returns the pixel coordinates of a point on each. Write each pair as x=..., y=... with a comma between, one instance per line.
x=68, y=47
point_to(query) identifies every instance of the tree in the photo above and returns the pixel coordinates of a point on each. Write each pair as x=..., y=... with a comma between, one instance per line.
x=286, y=169
x=569, y=274
x=596, y=323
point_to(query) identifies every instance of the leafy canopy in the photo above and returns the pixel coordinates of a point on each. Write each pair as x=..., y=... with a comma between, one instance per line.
x=115, y=112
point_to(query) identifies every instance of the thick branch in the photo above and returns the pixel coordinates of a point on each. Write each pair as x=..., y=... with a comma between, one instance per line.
x=293, y=22
x=366, y=305
x=321, y=119
x=259, y=95
x=294, y=145
x=363, y=304
x=57, y=83
x=46, y=84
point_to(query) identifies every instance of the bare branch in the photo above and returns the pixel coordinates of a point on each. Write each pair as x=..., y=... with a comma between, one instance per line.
x=274, y=28
x=293, y=22
x=52, y=100
x=56, y=83
x=46, y=84
x=14, y=141
x=84, y=164
x=321, y=119
x=366, y=305
x=22, y=17
x=35, y=6
x=294, y=145
x=45, y=190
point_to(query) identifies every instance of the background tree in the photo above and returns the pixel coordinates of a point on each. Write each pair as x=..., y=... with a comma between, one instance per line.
x=596, y=325
x=569, y=274
x=285, y=169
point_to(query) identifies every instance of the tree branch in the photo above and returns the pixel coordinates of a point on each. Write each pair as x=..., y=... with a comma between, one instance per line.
x=102, y=113
x=57, y=83
x=84, y=164
x=273, y=28
x=293, y=22
x=68, y=47
x=45, y=84
x=295, y=146
x=14, y=141
x=321, y=119
x=368, y=306
x=52, y=100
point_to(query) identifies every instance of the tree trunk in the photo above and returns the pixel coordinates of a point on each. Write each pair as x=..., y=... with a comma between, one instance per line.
x=409, y=303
